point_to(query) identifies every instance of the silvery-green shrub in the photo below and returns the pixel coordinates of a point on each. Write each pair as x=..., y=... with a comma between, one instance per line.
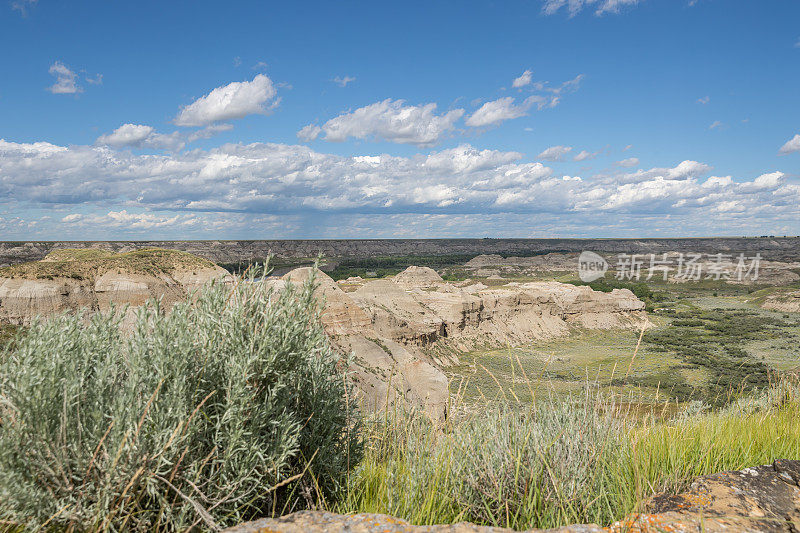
x=226, y=408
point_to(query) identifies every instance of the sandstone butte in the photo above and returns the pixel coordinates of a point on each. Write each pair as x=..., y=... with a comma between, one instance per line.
x=759, y=499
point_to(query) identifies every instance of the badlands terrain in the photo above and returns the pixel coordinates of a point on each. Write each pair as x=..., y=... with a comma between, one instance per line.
x=460, y=335
x=403, y=331
x=474, y=322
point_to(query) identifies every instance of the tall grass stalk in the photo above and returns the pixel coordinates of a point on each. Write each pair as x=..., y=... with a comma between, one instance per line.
x=580, y=460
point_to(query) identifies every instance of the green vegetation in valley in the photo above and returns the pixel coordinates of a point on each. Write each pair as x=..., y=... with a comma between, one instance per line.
x=451, y=265
x=703, y=347
x=713, y=340
x=277, y=265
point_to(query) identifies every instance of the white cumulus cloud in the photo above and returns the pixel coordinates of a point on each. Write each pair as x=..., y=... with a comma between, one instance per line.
x=555, y=153
x=498, y=111
x=576, y=6
x=791, y=146
x=141, y=136
x=233, y=101
x=585, y=155
x=66, y=79
x=629, y=162
x=523, y=80
x=389, y=120
x=342, y=81
x=293, y=190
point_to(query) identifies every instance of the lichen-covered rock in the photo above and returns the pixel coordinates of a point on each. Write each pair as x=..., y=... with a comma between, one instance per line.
x=763, y=499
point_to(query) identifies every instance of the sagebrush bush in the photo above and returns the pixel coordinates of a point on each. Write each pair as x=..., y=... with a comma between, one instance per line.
x=227, y=408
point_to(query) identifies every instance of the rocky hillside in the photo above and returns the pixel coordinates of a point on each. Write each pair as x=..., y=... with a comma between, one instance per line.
x=72, y=279
x=787, y=301
x=760, y=499
x=772, y=248
x=494, y=265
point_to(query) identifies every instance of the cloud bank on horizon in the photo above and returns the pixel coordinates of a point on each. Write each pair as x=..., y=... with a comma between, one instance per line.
x=408, y=166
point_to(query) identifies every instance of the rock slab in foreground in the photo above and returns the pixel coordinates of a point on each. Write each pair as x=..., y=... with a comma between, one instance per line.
x=758, y=499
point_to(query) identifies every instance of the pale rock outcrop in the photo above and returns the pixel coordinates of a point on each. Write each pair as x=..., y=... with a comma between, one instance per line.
x=390, y=325
x=415, y=276
x=384, y=369
x=340, y=315
x=397, y=315
x=23, y=299
x=463, y=317
x=787, y=302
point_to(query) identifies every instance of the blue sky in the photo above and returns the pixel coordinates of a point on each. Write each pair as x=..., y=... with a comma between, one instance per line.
x=538, y=118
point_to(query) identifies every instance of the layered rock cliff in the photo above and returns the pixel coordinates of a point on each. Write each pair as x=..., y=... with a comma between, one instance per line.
x=417, y=307
x=392, y=326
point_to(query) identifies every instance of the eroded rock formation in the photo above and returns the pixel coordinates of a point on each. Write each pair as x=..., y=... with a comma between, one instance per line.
x=384, y=369
x=417, y=307
x=759, y=499
x=393, y=327
x=70, y=280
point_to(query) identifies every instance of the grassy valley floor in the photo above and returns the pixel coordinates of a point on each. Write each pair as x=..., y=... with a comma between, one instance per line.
x=725, y=330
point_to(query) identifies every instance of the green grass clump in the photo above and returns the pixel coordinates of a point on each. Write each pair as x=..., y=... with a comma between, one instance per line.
x=749, y=432
x=567, y=461
x=78, y=254
x=229, y=408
